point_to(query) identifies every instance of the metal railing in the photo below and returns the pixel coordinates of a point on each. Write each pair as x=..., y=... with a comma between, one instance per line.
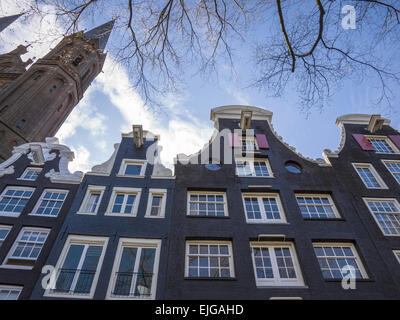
x=133, y=284
x=74, y=281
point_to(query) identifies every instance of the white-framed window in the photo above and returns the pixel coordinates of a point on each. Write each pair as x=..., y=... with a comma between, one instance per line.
x=14, y=199
x=369, y=176
x=382, y=144
x=209, y=259
x=26, y=248
x=135, y=270
x=207, y=204
x=30, y=174
x=249, y=144
x=332, y=257
x=4, y=230
x=256, y=167
x=318, y=206
x=133, y=168
x=386, y=213
x=50, y=203
x=78, y=267
x=9, y=292
x=263, y=208
x=275, y=264
x=124, y=202
x=397, y=254
x=92, y=200
x=156, y=203
x=394, y=168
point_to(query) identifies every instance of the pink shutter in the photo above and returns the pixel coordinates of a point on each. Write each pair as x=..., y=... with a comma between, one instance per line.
x=233, y=140
x=396, y=140
x=262, y=141
x=363, y=141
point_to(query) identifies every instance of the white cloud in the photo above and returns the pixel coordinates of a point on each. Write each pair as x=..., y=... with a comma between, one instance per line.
x=81, y=162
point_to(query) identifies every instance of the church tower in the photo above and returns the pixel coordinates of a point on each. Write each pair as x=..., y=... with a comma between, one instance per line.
x=35, y=103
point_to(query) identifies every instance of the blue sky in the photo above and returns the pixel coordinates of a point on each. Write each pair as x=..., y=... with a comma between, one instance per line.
x=111, y=106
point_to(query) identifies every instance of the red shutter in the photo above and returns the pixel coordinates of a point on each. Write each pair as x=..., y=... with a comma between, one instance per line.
x=262, y=141
x=396, y=140
x=363, y=141
x=233, y=140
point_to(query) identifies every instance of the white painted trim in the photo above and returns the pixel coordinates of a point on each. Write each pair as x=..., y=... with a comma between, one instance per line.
x=126, y=162
x=38, y=203
x=91, y=189
x=213, y=193
x=375, y=174
x=157, y=192
x=12, y=214
x=384, y=161
x=357, y=118
x=387, y=140
x=38, y=170
x=12, y=288
x=264, y=219
x=125, y=191
x=325, y=195
x=251, y=162
x=397, y=254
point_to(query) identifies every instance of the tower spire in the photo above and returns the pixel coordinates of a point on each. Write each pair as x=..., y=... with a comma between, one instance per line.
x=102, y=33
x=6, y=21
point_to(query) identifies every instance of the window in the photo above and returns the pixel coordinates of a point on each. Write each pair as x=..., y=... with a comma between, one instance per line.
x=382, y=144
x=4, y=230
x=133, y=168
x=369, y=176
x=91, y=202
x=397, y=254
x=9, y=292
x=394, y=167
x=263, y=208
x=124, y=202
x=207, y=204
x=386, y=213
x=293, y=167
x=50, y=203
x=156, y=203
x=249, y=144
x=30, y=174
x=253, y=168
x=332, y=257
x=78, y=267
x=135, y=269
x=317, y=206
x=209, y=259
x=275, y=264
x=21, y=123
x=13, y=200
x=26, y=248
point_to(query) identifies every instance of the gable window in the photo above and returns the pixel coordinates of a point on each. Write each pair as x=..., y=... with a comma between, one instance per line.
x=275, y=264
x=249, y=144
x=9, y=292
x=156, y=203
x=133, y=168
x=91, y=202
x=21, y=123
x=124, y=202
x=317, y=206
x=332, y=257
x=209, y=259
x=253, y=168
x=369, y=176
x=26, y=248
x=263, y=208
x=31, y=174
x=382, y=144
x=397, y=254
x=207, y=204
x=386, y=213
x=135, y=269
x=394, y=167
x=14, y=199
x=4, y=230
x=78, y=267
x=50, y=203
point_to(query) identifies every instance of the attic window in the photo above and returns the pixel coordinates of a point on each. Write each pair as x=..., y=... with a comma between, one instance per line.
x=21, y=123
x=77, y=61
x=293, y=167
x=53, y=88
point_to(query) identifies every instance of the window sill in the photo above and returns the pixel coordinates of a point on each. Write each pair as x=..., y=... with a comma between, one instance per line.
x=357, y=280
x=8, y=214
x=210, y=217
x=129, y=176
x=210, y=279
x=268, y=222
x=324, y=219
x=127, y=215
x=280, y=286
x=87, y=213
x=41, y=215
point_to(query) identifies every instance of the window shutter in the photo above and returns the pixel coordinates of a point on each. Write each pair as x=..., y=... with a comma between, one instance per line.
x=363, y=141
x=396, y=140
x=262, y=141
x=233, y=140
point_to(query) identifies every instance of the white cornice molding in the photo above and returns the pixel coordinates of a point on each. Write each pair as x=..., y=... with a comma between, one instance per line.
x=105, y=168
x=357, y=118
x=235, y=112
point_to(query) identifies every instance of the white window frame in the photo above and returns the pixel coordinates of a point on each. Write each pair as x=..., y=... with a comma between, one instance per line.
x=210, y=242
x=160, y=193
x=5, y=265
x=276, y=281
x=249, y=138
x=253, y=172
x=38, y=170
x=8, y=229
x=126, y=162
x=38, y=203
x=332, y=204
x=140, y=243
x=387, y=140
x=11, y=288
x=385, y=162
x=82, y=240
x=13, y=214
x=397, y=254
x=125, y=191
x=264, y=219
x=370, y=167
x=213, y=193
x=90, y=190
x=374, y=216
x=356, y=256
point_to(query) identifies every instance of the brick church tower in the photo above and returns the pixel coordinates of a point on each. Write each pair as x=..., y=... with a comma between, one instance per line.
x=34, y=103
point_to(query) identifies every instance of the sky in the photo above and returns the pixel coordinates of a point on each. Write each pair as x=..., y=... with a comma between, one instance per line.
x=111, y=106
